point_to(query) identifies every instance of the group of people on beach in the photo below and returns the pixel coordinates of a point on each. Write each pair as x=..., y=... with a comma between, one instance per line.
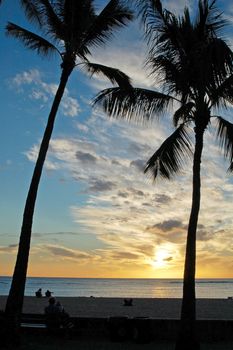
x=39, y=293
x=55, y=312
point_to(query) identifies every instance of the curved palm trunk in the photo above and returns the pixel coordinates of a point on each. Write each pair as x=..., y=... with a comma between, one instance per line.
x=15, y=298
x=187, y=337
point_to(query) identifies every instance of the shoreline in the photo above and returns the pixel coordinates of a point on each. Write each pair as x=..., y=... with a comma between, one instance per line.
x=155, y=308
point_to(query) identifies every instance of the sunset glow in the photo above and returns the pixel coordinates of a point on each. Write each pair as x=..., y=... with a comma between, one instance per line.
x=97, y=213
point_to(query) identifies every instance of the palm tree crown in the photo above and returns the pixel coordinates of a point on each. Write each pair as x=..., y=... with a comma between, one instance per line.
x=71, y=29
x=193, y=66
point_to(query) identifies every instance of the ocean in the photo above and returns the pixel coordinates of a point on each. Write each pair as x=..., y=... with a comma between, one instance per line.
x=122, y=288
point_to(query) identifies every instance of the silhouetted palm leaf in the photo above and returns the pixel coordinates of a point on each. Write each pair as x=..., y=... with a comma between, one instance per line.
x=33, y=11
x=170, y=156
x=210, y=19
x=46, y=15
x=54, y=25
x=31, y=40
x=103, y=26
x=113, y=74
x=183, y=114
x=223, y=93
x=225, y=136
x=154, y=17
x=133, y=103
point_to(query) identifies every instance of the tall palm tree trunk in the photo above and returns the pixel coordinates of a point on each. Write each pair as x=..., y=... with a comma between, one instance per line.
x=15, y=298
x=187, y=337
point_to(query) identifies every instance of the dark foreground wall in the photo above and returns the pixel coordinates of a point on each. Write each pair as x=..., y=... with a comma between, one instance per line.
x=161, y=329
x=140, y=329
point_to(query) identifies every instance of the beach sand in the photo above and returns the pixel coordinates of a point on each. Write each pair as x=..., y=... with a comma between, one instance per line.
x=218, y=309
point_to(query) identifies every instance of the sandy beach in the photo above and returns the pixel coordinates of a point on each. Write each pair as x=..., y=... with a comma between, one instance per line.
x=218, y=309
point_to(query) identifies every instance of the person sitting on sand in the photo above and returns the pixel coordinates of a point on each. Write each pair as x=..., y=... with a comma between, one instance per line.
x=39, y=293
x=128, y=302
x=48, y=293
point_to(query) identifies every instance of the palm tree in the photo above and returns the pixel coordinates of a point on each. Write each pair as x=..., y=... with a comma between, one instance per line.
x=194, y=67
x=72, y=28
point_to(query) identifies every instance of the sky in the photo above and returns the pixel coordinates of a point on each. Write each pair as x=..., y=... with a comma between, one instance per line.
x=97, y=214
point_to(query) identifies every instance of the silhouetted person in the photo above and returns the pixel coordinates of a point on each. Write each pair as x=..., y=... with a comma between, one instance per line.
x=128, y=302
x=51, y=308
x=56, y=316
x=48, y=293
x=39, y=293
x=52, y=313
x=59, y=306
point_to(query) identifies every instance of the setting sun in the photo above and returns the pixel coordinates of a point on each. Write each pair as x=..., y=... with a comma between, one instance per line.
x=162, y=256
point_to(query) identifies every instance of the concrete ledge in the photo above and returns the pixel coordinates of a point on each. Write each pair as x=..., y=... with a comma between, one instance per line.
x=159, y=329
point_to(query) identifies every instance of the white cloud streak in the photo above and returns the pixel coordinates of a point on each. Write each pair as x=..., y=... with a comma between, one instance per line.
x=125, y=210
x=44, y=92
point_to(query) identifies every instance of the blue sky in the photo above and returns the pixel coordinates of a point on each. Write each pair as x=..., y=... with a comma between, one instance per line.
x=97, y=214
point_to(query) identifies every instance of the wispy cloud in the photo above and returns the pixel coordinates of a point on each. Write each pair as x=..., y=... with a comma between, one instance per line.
x=44, y=92
x=135, y=219
x=11, y=248
x=66, y=253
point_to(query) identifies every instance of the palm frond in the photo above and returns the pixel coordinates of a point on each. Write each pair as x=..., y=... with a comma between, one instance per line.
x=77, y=15
x=225, y=137
x=169, y=158
x=223, y=93
x=151, y=13
x=113, y=16
x=162, y=68
x=183, y=113
x=56, y=29
x=33, y=12
x=230, y=169
x=170, y=75
x=43, y=13
x=31, y=40
x=216, y=63
x=133, y=103
x=113, y=74
x=162, y=28
x=210, y=20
